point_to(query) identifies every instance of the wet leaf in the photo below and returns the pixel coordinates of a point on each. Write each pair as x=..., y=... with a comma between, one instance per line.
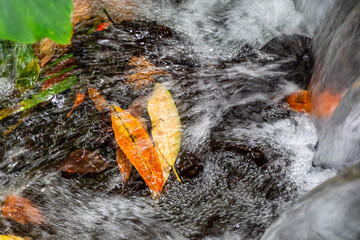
x=299, y=101
x=28, y=21
x=39, y=98
x=22, y=210
x=166, y=127
x=98, y=100
x=323, y=104
x=84, y=161
x=11, y=237
x=138, y=147
x=103, y=26
x=144, y=72
x=28, y=76
x=80, y=97
x=124, y=163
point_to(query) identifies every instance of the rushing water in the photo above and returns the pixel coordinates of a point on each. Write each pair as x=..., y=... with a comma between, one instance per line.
x=245, y=156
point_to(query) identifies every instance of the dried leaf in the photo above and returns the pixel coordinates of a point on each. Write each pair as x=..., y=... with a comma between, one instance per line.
x=80, y=97
x=124, y=164
x=98, y=100
x=143, y=73
x=166, y=128
x=28, y=76
x=83, y=161
x=138, y=147
x=11, y=237
x=22, y=210
x=299, y=101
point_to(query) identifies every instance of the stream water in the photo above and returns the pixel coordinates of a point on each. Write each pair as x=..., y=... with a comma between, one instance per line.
x=245, y=156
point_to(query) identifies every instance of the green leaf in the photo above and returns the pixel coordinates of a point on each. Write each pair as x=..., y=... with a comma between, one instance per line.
x=28, y=21
x=28, y=76
x=40, y=97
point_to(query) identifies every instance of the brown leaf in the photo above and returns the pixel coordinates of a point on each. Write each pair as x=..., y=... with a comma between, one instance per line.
x=138, y=147
x=80, y=97
x=144, y=72
x=98, y=100
x=83, y=161
x=124, y=164
x=22, y=210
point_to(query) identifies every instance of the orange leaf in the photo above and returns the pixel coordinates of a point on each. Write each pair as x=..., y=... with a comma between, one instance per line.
x=323, y=104
x=138, y=147
x=98, y=100
x=80, y=97
x=83, y=161
x=22, y=210
x=123, y=163
x=299, y=101
x=102, y=26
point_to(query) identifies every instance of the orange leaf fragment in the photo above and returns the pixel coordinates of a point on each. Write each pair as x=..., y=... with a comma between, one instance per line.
x=144, y=72
x=83, y=161
x=324, y=103
x=102, y=26
x=299, y=101
x=80, y=97
x=22, y=210
x=98, y=100
x=124, y=164
x=138, y=147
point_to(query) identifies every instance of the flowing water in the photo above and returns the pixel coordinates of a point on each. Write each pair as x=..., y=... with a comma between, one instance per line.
x=245, y=156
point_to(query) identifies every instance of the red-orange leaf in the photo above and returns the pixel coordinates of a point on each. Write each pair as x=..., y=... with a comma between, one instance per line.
x=22, y=210
x=83, y=161
x=123, y=163
x=138, y=147
x=103, y=26
x=80, y=97
x=299, y=101
x=98, y=100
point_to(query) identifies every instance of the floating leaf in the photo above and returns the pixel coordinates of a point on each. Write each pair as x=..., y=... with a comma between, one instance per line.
x=144, y=72
x=80, y=97
x=124, y=164
x=83, y=161
x=299, y=101
x=103, y=26
x=11, y=237
x=22, y=210
x=28, y=76
x=138, y=147
x=166, y=127
x=98, y=100
x=39, y=98
x=28, y=21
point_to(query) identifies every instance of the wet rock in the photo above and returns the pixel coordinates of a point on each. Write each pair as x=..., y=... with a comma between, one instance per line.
x=330, y=211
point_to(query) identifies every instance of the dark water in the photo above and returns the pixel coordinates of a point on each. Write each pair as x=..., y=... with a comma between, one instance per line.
x=245, y=156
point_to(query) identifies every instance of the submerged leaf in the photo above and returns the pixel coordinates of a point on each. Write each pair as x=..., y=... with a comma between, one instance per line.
x=28, y=76
x=22, y=210
x=138, y=147
x=80, y=97
x=144, y=72
x=166, y=127
x=98, y=100
x=124, y=164
x=39, y=98
x=83, y=161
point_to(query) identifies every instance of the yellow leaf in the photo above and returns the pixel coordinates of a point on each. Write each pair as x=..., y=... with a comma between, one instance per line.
x=138, y=147
x=10, y=237
x=166, y=128
x=123, y=163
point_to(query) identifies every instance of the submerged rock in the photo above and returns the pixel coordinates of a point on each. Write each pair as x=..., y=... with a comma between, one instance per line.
x=330, y=211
